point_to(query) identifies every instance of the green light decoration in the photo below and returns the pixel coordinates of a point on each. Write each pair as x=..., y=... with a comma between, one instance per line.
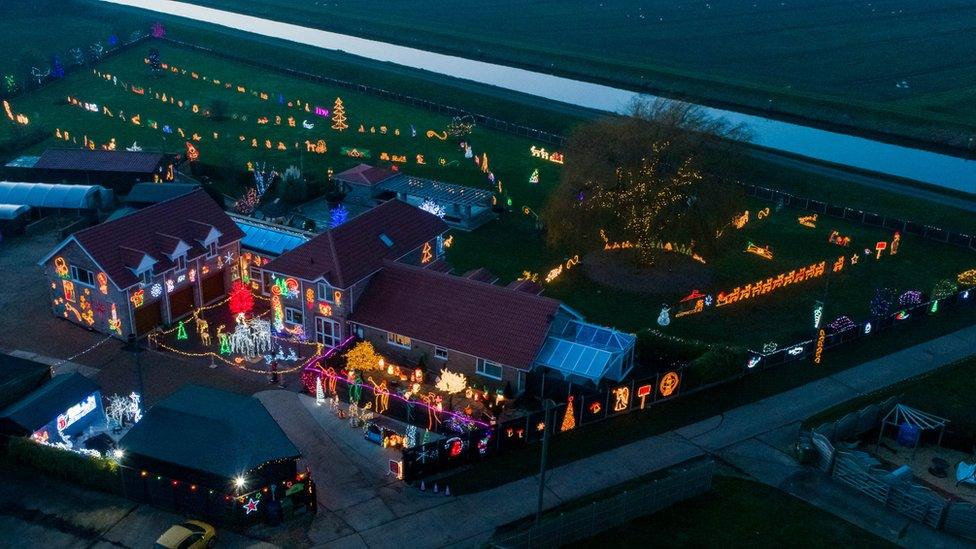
x=355, y=390
x=534, y=178
x=224, y=344
x=181, y=331
x=935, y=306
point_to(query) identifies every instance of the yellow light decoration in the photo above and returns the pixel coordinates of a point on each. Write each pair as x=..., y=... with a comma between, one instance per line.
x=542, y=153
x=669, y=384
x=967, y=278
x=763, y=251
x=61, y=267
x=808, y=221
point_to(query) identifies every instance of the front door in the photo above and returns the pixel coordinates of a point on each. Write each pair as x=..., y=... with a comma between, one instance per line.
x=326, y=331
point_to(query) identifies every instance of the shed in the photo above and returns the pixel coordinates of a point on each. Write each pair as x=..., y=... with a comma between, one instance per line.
x=63, y=407
x=144, y=194
x=54, y=196
x=212, y=437
x=459, y=206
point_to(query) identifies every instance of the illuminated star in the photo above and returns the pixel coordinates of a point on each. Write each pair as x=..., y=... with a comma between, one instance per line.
x=229, y=258
x=250, y=506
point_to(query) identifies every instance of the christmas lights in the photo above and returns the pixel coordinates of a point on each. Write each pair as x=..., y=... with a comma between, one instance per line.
x=782, y=280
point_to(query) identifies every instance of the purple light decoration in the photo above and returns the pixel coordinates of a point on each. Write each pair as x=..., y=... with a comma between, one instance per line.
x=909, y=298
x=321, y=111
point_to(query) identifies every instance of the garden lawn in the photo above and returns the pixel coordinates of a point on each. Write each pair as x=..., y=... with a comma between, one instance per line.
x=738, y=513
x=822, y=60
x=508, y=156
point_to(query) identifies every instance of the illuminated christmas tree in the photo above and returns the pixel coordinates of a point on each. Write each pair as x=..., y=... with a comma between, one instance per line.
x=181, y=331
x=534, y=178
x=319, y=392
x=241, y=300
x=569, y=420
x=339, y=115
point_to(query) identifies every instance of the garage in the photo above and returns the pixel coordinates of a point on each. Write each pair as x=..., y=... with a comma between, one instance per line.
x=181, y=303
x=212, y=287
x=148, y=317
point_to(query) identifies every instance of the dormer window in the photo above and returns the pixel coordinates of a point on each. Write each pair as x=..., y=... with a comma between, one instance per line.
x=147, y=276
x=212, y=250
x=181, y=263
x=324, y=292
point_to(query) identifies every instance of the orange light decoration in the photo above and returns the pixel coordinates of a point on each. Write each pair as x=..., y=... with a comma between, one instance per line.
x=763, y=213
x=669, y=384
x=192, y=154
x=642, y=393
x=595, y=408
x=621, y=398
x=449, y=241
x=137, y=298
x=836, y=238
x=820, y=346
x=553, y=274
x=770, y=284
x=325, y=309
x=426, y=255
x=879, y=248
x=763, y=252
x=839, y=264
x=69, y=289
x=554, y=157
x=808, y=221
x=337, y=297
x=740, y=221
x=61, y=267
x=310, y=297
x=967, y=278
x=102, y=279
x=895, y=241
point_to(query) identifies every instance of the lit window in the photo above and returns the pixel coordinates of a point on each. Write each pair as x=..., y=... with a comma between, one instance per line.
x=386, y=240
x=440, y=352
x=293, y=316
x=489, y=369
x=83, y=276
x=398, y=340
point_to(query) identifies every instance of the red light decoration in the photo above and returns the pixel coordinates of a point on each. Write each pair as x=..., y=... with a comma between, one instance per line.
x=643, y=392
x=241, y=300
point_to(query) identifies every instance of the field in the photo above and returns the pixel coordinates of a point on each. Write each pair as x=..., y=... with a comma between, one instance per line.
x=819, y=60
x=741, y=513
x=259, y=126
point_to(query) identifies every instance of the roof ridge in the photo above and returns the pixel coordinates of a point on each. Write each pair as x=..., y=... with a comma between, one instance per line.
x=471, y=281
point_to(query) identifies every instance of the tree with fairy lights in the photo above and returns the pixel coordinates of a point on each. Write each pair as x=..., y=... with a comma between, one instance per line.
x=882, y=301
x=363, y=357
x=339, y=115
x=241, y=300
x=642, y=178
x=451, y=383
x=569, y=419
x=57, y=68
x=155, y=63
x=338, y=216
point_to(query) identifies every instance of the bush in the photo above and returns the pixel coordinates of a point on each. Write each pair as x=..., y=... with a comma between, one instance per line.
x=292, y=187
x=716, y=364
x=98, y=473
x=654, y=348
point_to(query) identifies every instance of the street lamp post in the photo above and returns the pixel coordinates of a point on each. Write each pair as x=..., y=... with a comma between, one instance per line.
x=547, y=406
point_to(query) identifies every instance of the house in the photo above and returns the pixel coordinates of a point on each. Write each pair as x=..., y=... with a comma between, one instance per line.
x=264, y=241
x=460, y=206
x=118, y=170
x=148, y=268
x=216, y=454
x=315, y=286
x=490, y=333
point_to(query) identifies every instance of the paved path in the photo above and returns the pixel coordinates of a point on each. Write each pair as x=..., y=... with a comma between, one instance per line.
x=470, y=520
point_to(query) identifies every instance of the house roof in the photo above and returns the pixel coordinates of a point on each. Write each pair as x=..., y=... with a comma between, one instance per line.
x=357, y=248
x=209, y=430
x=437, y=191
x=99, y=160
x=48, y=195
x=151, y=193
x=364, y=174
x=45, y=404
x=19, y=376
x=119, y=246
x=462, y=314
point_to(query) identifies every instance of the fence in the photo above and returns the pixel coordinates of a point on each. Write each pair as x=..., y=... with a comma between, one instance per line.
x=865, y=218
x=431, y=106
x=583, y=523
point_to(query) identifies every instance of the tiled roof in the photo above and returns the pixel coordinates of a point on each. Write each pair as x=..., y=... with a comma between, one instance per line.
x=346, y=254
x=364, y=174
x=461, y=314
x=117, y=246
x=99, y=160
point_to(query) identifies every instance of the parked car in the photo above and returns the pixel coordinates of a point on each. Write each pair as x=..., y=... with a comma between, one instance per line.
x=192, y=534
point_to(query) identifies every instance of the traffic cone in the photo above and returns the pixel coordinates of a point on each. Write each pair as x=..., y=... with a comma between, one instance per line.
x=447, y=491
x=435, y=488
x=423, y=486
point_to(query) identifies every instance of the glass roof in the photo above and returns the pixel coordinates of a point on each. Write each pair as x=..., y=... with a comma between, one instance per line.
x=267, y=239
x=586, y=350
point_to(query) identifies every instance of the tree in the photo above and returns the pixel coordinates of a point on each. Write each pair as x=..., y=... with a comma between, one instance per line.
x=569, y=420
x=241, y=300
x=339, y=115
x=363, y=357
x=292, y=186
x=643, y=178
x=451, y=383
x=155, y=62
x=57, y=69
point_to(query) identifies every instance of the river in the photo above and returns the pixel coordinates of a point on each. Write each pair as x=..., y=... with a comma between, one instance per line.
x=838, y=148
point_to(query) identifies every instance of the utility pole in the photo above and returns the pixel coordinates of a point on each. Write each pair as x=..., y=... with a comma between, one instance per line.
x=547, y=406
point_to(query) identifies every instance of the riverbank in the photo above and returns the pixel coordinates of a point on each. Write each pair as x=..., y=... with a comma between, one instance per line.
x=928, y=167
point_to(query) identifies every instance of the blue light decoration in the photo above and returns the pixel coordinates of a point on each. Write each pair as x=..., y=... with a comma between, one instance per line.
x=338, y=216
x=753, y=361
x=112, y=40
x=57, y=69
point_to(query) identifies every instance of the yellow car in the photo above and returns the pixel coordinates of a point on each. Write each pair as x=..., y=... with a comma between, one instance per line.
x=191, y=534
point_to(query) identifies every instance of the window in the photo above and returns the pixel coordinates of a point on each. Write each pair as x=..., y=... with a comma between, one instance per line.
x=190, y=540
x=212, y=249
x=325, y=293
x=386, y=240
x=489, y=369
x=147, y=276
x=398, y=340
x=266, y=283
x=83, y=276
x=293, y=316
x=327, y=331
x=440, y=353
x=181, y=263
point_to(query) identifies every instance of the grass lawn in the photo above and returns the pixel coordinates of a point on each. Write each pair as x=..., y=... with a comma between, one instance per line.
x=738, y=513
x=690, y=408
x=947, y=392
x=823, y=60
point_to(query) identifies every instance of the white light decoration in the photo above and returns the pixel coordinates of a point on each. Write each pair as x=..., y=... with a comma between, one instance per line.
x=430, y=206
x=251, y=337
x=795, y=350
x=664, y=318
x=156, y=290
x=817, y=314
x=867, y=328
